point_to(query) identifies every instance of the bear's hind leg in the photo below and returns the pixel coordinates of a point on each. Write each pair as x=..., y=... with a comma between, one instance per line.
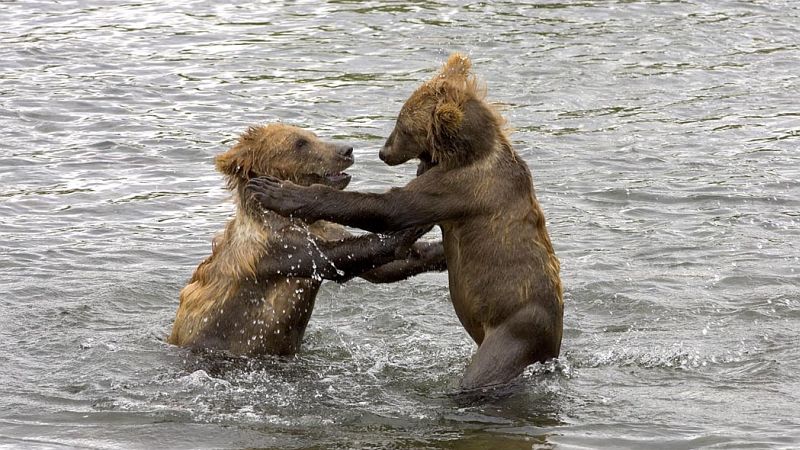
x=500, y=358
x=530, y=335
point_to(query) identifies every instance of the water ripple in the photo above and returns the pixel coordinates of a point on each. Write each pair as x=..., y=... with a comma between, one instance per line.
x=662, y=137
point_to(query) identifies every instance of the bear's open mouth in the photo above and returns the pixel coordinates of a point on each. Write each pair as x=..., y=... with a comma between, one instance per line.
x=336, y=180
x=336, y=176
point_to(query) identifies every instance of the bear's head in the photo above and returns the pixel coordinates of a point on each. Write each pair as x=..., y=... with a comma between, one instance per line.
x=286, y=152
x=445, y=121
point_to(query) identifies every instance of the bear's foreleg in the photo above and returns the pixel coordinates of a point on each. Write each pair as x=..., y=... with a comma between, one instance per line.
x=303, y=255
x=424, y=257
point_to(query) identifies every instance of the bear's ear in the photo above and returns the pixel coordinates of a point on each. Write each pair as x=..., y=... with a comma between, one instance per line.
x=447, y=118
x=446, y=123
x=456, y=67
x=239, y=158
x=236, y=165
x=460, y=133
x=230, y=162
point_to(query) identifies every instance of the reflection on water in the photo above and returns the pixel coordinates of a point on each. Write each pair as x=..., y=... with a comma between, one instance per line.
x=662, y=136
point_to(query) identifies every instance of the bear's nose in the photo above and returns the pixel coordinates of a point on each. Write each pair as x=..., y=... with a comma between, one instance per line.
x=346, y=151
x=382, y=154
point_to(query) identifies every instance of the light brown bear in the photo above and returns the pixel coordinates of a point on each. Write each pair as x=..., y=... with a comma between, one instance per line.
x=255, y=294
x=503, y=272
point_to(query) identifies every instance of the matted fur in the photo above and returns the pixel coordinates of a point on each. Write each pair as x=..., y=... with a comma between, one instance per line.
x=268, y=149
x=440, y=106
x=224, y=306
x=503, y=273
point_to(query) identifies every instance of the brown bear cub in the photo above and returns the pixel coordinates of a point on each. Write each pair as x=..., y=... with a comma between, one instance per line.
x=254, y=295
x=503, y=272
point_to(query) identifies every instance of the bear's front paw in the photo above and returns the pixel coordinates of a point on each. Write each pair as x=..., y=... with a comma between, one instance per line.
x=268, y=192
x=406, y=238
x=277, y=195
x=263, y=185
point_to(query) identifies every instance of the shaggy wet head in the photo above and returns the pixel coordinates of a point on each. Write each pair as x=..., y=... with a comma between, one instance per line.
x=445, y=120
x=286, y=152
x=409, y=139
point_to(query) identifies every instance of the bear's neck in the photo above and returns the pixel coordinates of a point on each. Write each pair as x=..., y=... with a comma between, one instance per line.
x=468, y=152
x=239, y=198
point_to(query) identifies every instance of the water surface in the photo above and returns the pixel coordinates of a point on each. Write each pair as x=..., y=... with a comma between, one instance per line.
x=663, y=137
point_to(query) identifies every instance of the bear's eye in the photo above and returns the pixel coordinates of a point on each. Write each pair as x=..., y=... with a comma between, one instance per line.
x=300, y=143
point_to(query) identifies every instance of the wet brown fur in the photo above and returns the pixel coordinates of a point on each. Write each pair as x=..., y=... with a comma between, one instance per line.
x=503, y=272
x=226, y=306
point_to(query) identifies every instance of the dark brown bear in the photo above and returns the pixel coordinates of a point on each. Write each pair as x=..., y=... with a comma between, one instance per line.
x=255, y=293
x=503, y=273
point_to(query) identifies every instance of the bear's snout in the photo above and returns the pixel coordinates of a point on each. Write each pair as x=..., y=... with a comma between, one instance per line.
x=388, y=155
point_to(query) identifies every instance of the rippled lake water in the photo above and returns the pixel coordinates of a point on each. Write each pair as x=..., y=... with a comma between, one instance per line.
x=663, y=137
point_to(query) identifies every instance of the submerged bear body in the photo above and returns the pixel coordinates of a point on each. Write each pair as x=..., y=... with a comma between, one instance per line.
x=255, y=294
x=226, y=306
